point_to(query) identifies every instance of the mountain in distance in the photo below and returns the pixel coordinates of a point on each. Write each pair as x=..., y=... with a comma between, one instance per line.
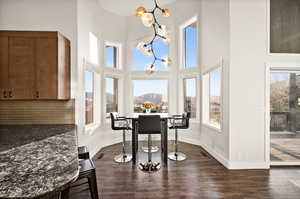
x=155, y=98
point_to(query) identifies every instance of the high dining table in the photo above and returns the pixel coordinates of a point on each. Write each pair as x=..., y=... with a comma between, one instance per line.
x=164, y=135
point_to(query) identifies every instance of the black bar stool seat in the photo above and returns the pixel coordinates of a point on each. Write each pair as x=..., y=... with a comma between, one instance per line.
x=149, y=124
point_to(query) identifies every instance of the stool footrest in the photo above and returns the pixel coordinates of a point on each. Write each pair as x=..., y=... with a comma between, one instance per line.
x=150, y=166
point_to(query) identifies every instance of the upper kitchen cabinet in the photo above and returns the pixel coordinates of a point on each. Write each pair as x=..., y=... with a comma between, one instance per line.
x=34, y=65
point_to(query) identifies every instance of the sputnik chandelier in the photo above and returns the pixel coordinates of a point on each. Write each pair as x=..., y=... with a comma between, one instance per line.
x=160, y=32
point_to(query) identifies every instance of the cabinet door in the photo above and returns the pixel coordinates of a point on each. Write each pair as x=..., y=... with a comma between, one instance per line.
x=64, y=65
x=46, y=68
x=21, y=67
x=4, y=67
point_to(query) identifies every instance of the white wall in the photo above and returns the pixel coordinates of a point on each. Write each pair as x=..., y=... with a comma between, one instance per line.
x=249, y=54
x=214, y=47
x=106, y=27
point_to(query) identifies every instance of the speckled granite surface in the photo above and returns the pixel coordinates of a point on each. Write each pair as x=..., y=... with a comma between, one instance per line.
x=36, y=159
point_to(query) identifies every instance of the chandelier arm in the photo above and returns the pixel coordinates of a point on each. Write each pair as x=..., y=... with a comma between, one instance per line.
x=155, y=25
x=158, y=35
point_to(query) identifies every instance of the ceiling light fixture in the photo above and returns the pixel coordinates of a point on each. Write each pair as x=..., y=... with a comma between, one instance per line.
x=160, y=32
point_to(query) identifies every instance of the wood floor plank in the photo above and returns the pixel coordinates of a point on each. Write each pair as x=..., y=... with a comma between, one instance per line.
x=200, y=176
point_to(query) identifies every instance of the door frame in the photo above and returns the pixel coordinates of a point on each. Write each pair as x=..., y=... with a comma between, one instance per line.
x=269, y=67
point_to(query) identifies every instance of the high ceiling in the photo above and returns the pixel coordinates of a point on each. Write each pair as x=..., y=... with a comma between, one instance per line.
x=127, y=7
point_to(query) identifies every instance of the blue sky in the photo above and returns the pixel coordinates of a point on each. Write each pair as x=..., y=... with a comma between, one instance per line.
x=89, y=81
x=109, y=85
x=215, y=82
x=190, y=87
x=191, y=46
x=109, y=52
x=140, y=60
x=279, y=76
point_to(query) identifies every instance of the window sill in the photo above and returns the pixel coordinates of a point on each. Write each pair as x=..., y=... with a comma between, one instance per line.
x=212, y=127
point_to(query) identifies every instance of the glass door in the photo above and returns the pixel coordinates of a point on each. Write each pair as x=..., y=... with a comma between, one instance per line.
x=284, y=117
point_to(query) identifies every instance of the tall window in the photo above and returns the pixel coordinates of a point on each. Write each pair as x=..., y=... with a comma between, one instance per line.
x=111, y=53
x=111, y=95
x=212, y=98
x=94, y=58
x=190, y=96
x=284, y=115
x=154, y=91
x=89, y=97
x=140, y=60
x=190, y=46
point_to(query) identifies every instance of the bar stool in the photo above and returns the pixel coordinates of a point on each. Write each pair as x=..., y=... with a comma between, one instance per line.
x=154, y=149
x=121, y=124
x=178, y=122
x=87, y=171
x=149, y=124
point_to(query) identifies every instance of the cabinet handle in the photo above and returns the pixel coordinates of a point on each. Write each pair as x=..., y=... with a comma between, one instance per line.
x=4, y=94
x=10, y=94
x=37, y=94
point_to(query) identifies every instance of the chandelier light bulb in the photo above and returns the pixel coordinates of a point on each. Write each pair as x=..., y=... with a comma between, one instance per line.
x=147, y=19
x=148, y=51
x=166, y=61
x=141, y=46
x=162, y=30
x=150, y=69
x=166, y=12
x=140, y=11
x=167, y=39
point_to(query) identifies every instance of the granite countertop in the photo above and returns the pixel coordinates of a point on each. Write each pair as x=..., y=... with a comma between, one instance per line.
x=36, y=159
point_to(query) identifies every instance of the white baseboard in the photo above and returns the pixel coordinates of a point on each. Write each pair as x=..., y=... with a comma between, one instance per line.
x=285, y=163
x=216, y=155
x=190, y=141
x=248, y=165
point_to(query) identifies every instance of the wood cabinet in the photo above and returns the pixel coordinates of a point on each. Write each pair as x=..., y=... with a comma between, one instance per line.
x=34, y=65
x=3, y=67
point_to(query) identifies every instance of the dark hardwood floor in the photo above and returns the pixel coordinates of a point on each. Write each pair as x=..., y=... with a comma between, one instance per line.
x=200, y=176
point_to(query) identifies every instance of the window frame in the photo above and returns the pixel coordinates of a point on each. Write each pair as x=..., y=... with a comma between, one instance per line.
x=117, y=58
x=196, y=92
x=148, y=79
x=206, y=87
x=85, y=112
x=96, y=70
x=182, y=43
x=117, y=83
x=120, y=94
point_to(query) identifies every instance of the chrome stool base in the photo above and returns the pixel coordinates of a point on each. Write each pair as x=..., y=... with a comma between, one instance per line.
x=154, y=149
x=176, y=156
x=149, y=166
x=123, y=158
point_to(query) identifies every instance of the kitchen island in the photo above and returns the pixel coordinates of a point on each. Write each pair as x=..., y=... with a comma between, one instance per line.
x=37, y=161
